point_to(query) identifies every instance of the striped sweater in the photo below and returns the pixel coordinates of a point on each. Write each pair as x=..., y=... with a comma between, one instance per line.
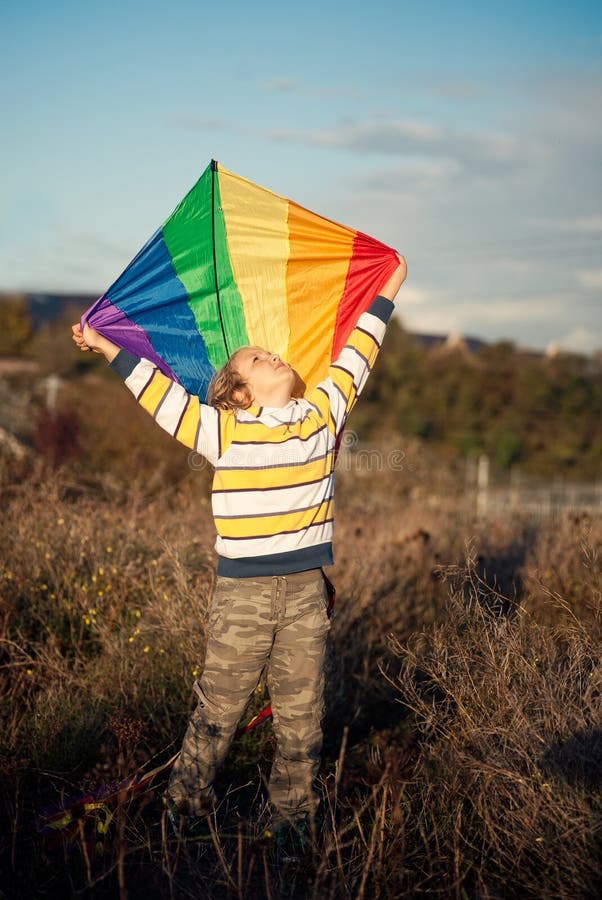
x=273, y=485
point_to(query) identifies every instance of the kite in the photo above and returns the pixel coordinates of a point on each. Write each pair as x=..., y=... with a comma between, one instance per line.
x=236, y=264
x=64, y=823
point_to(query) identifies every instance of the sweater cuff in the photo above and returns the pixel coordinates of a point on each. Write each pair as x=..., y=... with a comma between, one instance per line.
x=124, y=363
x=381, y=308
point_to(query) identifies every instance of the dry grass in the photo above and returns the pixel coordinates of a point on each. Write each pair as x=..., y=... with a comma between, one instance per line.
x=463, y=749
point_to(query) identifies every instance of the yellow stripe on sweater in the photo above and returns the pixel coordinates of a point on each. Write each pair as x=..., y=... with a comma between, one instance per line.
x=252, y=433
x=364, y=343
x=189, y=425
x=266, y=526
x=262, y=479
x=155, y=391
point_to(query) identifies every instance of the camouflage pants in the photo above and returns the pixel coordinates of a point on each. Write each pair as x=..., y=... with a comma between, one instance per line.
x=280, y=621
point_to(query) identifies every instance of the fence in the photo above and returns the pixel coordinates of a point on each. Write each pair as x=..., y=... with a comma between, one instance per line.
x=520, y=494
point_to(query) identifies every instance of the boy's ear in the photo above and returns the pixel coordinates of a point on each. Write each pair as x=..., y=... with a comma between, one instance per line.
x=243, y=396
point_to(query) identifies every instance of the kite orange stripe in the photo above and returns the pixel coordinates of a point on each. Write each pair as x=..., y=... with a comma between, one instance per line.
x=316, y=246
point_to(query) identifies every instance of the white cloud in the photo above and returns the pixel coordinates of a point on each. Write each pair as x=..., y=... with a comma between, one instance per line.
x=590, y=278
x=512, y=311
x=410, y=176
x=67, y=261
x=415, y=296
x=511, y=265
x=429, y=321
x=523, y=319
x=281, y=85
x=590, y=224
x=581, y=340
x=293, y=86
x=452, y=90
x=481, y=153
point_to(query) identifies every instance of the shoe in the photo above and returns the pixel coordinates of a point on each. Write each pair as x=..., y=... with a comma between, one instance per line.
x=186, y=826
x=293, y=838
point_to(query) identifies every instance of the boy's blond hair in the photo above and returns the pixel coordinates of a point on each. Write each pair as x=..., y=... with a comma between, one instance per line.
x=225, y=384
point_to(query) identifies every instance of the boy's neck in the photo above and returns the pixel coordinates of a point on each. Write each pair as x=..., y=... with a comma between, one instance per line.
x=277, y=400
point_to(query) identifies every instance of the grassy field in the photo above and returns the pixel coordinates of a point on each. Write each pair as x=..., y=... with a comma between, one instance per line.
x=463, y=737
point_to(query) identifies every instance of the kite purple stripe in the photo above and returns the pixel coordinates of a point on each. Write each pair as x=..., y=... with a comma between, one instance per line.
x=130, y=336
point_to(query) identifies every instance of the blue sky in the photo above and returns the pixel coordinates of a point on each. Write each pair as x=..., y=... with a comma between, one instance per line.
x=468, y=135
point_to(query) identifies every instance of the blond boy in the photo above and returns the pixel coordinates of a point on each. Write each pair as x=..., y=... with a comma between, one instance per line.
x=272, y=501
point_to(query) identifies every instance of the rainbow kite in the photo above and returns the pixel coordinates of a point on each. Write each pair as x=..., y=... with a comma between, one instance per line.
x=236, y=264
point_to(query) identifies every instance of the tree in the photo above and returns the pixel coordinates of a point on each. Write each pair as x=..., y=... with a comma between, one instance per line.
x=15, y=325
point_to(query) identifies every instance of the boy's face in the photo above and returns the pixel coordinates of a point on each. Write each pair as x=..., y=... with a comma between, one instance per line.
x=271, y=380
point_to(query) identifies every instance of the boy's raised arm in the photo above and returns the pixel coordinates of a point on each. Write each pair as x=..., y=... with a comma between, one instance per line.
x=181, y=414
x=395, y=281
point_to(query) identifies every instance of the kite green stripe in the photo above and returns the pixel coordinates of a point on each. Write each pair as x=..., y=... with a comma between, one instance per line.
x=233, y=316
x=188, y=235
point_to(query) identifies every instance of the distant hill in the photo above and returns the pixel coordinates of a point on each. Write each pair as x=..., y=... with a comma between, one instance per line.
x=45, y=307
x=451, y=342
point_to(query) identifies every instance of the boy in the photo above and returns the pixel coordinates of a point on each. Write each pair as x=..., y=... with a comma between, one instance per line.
x=272, y=502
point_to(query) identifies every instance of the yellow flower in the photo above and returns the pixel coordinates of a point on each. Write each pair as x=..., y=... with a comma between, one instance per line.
x=146, y=649
x=29, y=671
x=109, y=549
x=60, y=521
x=195, y=672
x=130, y=640
x=539, y=840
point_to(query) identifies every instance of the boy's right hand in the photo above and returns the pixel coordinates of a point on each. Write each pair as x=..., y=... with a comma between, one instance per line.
x=90, y=339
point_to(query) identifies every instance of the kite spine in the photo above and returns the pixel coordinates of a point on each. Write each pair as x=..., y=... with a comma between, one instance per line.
x=217, y=297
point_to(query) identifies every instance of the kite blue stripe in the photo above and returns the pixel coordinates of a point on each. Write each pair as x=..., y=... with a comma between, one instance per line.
x=150, y=280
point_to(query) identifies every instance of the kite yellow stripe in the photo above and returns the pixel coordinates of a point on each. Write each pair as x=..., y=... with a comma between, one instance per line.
x=316, y=246
x=258, y=246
